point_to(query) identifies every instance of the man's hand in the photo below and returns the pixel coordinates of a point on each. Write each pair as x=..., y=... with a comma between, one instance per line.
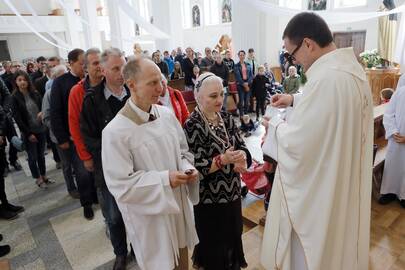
x=32, y=138
x=282, y=100
x=398, y=138
x=177, y=178
x=89, y=165
x=193, y=176
x=40, y=116
x=64, y=146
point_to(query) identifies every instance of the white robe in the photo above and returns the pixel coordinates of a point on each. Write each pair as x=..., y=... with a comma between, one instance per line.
x=319, y=212
x=137, y=158
x=394, y=167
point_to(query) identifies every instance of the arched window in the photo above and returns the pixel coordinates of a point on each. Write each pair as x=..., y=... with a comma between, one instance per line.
x=196, y=16
x=316, y=4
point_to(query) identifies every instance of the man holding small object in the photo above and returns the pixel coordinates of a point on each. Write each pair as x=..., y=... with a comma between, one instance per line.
x=319, y=215
x=149, y=171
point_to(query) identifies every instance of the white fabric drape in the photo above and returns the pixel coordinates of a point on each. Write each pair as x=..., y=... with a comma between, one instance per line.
x=137, y=18
x=27, y=24
x=400, y=44
x=331, y=17
x=45, y=27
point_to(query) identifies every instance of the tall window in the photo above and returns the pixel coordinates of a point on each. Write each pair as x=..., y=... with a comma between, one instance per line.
x=186, y=13
x=211, y=12
x=294, y=4
x=349, y=3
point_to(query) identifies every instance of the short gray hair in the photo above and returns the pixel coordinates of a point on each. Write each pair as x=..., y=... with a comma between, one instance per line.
x=110, y=52
x=58, y=71
x=133, y=67
x=88, y=52
x=203, y=79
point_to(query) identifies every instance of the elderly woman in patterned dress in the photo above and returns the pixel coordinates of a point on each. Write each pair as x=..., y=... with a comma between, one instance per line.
x=220, y=156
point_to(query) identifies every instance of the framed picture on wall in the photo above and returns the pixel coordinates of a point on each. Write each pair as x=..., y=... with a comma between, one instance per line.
x=317, y=5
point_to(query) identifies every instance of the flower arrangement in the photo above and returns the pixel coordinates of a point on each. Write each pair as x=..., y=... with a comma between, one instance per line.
x=371, y=58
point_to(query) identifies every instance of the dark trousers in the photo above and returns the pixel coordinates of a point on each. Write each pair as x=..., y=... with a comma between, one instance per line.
x=260, y=106
x=114, y=221
x=244, y=98
x=54, y=149
x=84, y=179
x=36, y=155
x=3, y=196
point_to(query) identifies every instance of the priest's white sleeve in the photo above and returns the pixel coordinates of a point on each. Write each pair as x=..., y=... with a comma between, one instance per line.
x=270, y=142
x=149, y=190
x=186, y=163
x=389, y=120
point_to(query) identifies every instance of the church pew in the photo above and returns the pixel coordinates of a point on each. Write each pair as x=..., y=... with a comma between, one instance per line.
x=177, y=84
x=381, y=143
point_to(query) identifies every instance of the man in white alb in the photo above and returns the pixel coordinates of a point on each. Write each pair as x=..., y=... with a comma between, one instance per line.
x=319, y=215
x=148, y=169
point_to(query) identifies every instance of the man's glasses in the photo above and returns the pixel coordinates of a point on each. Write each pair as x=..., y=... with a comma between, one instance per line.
x=290, y=57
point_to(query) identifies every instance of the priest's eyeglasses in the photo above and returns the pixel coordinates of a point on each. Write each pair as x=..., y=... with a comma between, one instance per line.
x=290, y=57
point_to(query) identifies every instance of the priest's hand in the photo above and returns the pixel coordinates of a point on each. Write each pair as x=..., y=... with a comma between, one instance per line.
x=177, y=178
x=192, y=175
x=281, y=100
x=398, y=138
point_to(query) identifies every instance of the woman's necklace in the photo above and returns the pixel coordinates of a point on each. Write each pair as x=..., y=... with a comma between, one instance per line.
x=215, y=128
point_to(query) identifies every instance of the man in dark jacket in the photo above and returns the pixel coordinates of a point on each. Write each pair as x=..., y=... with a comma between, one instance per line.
x=100, y=105
x=40, y=82
x=156, y=57
x=60, y=127
x=41, y=61
x=10, y=132
x=7, y=210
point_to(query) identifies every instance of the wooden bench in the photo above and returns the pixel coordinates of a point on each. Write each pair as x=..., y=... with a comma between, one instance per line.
x=381, y=149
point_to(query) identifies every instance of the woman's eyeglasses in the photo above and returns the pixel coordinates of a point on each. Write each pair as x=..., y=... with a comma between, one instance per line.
x=290, y=57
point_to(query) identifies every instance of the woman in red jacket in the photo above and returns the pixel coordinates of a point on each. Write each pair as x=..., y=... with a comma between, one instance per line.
x=174, y=100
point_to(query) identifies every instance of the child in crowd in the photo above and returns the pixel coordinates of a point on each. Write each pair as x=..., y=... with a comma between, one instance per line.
x=247, y=125
x=386, y=95
x=196, y=74
x=259, y=91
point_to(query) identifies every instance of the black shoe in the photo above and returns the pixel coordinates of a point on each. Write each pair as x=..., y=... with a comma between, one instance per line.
x=120, y=263
x=74, y=194
x=387, y=198
x=6, y=171
x=58, y=165
x=402, y=203
x=5, y=214
x=88, y=212
x=14, y=208
x=17, y=166
x=4, y=250
x=1, y=237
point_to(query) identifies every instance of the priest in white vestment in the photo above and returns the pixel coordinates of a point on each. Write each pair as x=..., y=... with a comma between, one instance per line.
x=149, y=170
x=393, y=183
x=319, y=211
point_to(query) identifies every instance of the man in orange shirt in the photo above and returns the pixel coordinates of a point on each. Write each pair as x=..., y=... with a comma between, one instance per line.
x=76, y=96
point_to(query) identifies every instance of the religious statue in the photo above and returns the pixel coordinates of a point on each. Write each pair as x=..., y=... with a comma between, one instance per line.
x=137, y=49
x=317, y=4
x=196, y=16
x=226, y=11
x=224, y=44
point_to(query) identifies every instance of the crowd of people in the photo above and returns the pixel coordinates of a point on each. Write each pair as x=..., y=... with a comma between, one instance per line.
x=167, y=179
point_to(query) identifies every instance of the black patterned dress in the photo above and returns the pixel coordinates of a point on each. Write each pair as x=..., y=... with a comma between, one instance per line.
x=218, y=216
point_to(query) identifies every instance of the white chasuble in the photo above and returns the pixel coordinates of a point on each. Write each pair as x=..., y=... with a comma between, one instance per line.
x=137, y=158
x=394, y=166
x=319, y=211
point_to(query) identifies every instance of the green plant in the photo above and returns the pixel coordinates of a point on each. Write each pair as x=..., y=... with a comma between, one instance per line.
x=371, y=58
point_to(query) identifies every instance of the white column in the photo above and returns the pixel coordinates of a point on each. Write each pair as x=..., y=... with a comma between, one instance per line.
x=88, y=11
x=121, y=28
x=72, y=24
x=168, y=18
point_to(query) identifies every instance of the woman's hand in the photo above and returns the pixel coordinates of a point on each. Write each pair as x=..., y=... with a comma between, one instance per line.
x=231, y=156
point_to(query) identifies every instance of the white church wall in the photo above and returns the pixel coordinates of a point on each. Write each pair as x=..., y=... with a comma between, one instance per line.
x=42, y=7
x=23, y=46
